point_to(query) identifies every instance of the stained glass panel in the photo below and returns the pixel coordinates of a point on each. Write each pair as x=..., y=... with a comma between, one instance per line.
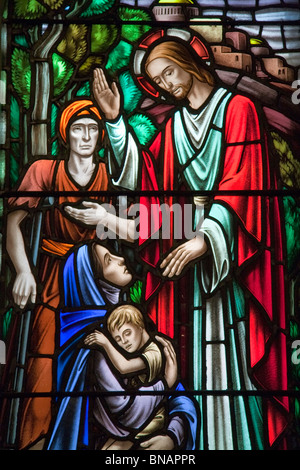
x=150, y=225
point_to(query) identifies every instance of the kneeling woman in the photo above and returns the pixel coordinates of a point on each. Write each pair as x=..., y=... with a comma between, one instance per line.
x=93, y=279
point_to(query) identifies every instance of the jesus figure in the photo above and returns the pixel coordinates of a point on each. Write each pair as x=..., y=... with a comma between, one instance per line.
x=214, y=140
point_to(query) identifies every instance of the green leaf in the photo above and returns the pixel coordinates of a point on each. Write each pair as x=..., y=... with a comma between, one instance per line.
x=292, y=230
x=55, y=148
x=294, y=330
x=102, y=153
x=133, y=32
x=119, y=57
x=21, y=75
x=54, y=4
x=74, y=45
x=143, y=127
x=97, y=7
x=62, y=73
x=14, y=118
x=6, y=322
x=92, y=62
x=136, y=292
x=29, y=9
x=14, y=163
x=102, y=37
x=84, y=90
x=54, y=114
x=131, y=92
x=21, y=40
x=289, y=166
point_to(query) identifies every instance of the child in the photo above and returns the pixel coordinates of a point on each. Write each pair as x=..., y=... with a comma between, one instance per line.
x=141, y=365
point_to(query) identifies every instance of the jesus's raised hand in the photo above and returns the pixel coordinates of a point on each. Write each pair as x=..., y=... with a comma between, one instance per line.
x=107, y=98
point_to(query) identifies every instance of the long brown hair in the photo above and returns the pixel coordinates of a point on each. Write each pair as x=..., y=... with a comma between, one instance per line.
x=179, y=54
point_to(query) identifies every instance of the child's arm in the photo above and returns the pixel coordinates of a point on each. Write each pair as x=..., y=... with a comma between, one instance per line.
x=123, y=365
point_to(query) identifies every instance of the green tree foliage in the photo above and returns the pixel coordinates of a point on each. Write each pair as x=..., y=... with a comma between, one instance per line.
x=54, y=113
x=32, y=9
x=143, y=127
x=290, y=177
x=6, y=322
x=294, y=330
x=21, y=75
x=92, y=62
x=73, y=45
x=136, y=292
x=53, y=4
x=21, y=40
x=84, y=90
x=97, y=7
x=102, y=37
x=54, y=148
x=62, y=73
x=28, y=9
x=54, y=116
x=292, y=229
x=131, y=93
x=133, y=32
x=14, y=163
x=288, y=165
x=119, y=57
x=14, y=118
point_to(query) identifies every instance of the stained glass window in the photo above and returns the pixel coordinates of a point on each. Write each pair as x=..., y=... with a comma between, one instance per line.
x=150, y=225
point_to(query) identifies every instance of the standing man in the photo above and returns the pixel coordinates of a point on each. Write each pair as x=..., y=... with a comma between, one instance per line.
x=213, y=140
x=81, y=131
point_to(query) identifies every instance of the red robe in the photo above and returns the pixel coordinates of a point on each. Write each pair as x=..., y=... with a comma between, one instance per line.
x=260, y=249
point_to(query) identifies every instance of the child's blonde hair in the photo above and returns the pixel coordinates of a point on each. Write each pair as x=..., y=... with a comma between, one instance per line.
x=124, y=314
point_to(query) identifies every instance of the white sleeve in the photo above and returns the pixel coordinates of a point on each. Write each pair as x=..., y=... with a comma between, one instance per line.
x=126, y=155
x=218, y=230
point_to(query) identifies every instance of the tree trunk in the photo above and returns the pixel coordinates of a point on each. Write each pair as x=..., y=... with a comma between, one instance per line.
x=41, y=84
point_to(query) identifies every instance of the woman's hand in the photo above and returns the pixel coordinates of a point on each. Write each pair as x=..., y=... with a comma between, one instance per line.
x=92, y=215
x=171, y=369
x=189, y=251
x=95, y=338
x=108, y=99
x=24, y=288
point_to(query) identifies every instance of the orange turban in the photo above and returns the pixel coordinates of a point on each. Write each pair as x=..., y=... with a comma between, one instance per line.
x=72, y=111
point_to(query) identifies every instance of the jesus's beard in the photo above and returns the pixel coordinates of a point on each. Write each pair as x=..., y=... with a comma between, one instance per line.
x=183, y=90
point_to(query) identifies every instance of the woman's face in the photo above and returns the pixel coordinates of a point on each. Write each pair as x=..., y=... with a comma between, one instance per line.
x=170, y=77
x=83, y=136
x=114, y=268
